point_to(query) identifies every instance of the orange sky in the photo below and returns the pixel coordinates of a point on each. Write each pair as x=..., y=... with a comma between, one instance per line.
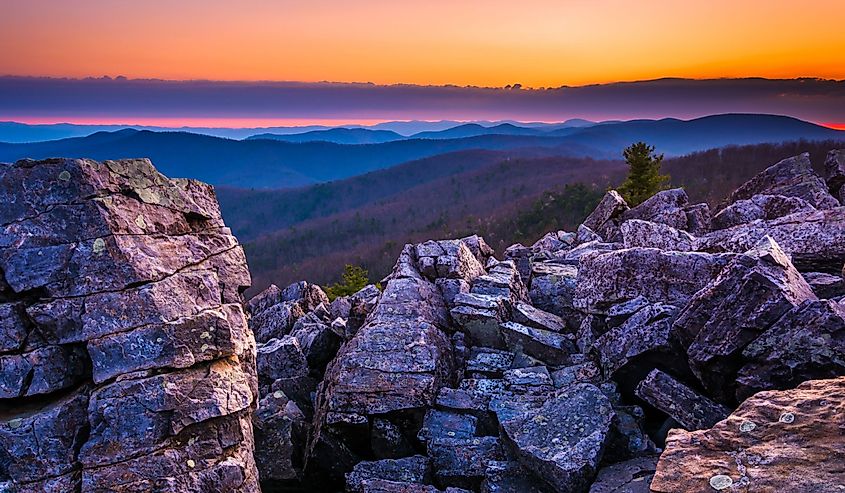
x=478, y=42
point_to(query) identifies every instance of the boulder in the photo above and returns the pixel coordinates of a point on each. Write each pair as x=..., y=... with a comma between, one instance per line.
x=665, y=207
x=607, y=216
x=765, y=207
x=825, y=286
x=549, y=347
x=807, y=343
x=585, y=235
x=271, y=295
x=510, y=477
x=488, y=362
x=462, y=462
x=638, y=233
x=630, y=476
x=563, y=440
x=686, y=406
x=444, y=424
x=280, y=358
x=521, y=256
x=587, y=372
x=479, y=317
x=415, y=469
x=534, y=380
x=775, y=441
x=280, y=435
x=276, y=321
x=318, y=342
x=552, y=290
x=127, y=361
x=752, y=292
x=791, y=177
x=553, y=241
x=699, y=219
x=451, y=288
x=503, y=281
x=526, y=314
x=574, y=256
x=834, y=167
x=607, y=279
x=450, y=259
x=388, y=440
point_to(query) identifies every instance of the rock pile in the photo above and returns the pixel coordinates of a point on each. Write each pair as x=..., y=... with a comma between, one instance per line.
x=127, y=364
x=661, y=348
x=563, y=367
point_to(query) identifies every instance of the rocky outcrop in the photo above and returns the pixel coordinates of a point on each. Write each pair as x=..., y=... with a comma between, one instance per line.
x=834, y=167
x=787, y=441
x=127, y=364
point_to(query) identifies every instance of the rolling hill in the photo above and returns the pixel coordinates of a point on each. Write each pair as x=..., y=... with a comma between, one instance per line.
x=266, y=163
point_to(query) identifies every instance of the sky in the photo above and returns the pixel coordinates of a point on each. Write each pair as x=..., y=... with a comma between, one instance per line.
x=489, y=43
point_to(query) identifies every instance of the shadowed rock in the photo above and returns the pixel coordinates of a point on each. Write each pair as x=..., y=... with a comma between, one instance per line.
x=834, y=167
x=607, y=216
x=665, y=207
x=825, y=286
x=686, y=406
x=416, y=469
x=631, y=476
x=763, y=207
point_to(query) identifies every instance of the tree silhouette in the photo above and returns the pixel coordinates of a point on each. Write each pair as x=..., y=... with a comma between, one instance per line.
x=354, y=278
x=644, y=178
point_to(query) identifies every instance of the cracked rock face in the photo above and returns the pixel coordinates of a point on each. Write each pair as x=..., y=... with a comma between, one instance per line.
x=787, y=440
x=122, y=313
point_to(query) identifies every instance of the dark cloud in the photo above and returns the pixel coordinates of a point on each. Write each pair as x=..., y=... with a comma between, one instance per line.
x=809, y=99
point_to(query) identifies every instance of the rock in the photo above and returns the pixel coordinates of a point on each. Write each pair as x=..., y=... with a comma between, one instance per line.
x=43, y=442
x=805, y=344
x=791, y=177
x=553, y=241
x=753, y=291
x=638, y=233
x=665, y=207
x=574, y=256
x=122, y=311
x=503, y=281
x=563, y=441
x=388, y=441
x=834, y=167
x=309, y=296
x=825, y=286
x=525, y=314
x=815, y=240
x=530, y=380
x=450, y=259
x=280, y=358
x=444, y=424
x=415, y=469
x=699, y=219
x=644, y=341
x=765, y=207
x=276, y=321
x=479, y=317
x=42, y=371
x=451, y=288
x=552, y=290
x=775, y=441
x=607, y=216
x=280, y=434
x=272, y=295
x=619, y=313
x=318, y=341
x=669, y=277
x=462, y=462
x=521, y=257
x=630, y=476
x=550, y=347
x=689, y=408
x=510, y=477
x=489, y=362
x=14, y=327
x=586, y=372
x=586, y=235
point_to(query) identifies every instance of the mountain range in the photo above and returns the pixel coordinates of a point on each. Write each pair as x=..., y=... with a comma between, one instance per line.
x=271, y=163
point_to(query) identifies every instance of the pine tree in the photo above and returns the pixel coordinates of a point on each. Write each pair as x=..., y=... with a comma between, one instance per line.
x=644, y=178
x=353, y=279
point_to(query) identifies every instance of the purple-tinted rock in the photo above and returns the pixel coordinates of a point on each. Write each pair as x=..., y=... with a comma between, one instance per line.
x=444, y=424
x=528, y=315
x=14, y=327
x=479, y=317
x=42, y=442
x=521, y=257
x=281, y=358
x=42, y=371
x=552, y=348
x=510, y=477
x=503, y=281
x=764, y=207
x=686, y=406
x=388, y=440
x=488, y=361
x=319, y=343
x=415, y=469
x=665, y=207
x=451, y=259
x=584, y=235
x=807, y=343
x=630, y=476
x=586, y=372
x=670, y=277
x=699, y=219
x=462, y=462
x=531, y=380
x=280, y=435
x=272, y=295
x=638, y=233
x=563, y=441
x=825, y=286
x=752, y=292
x=451, y=288
x=791, y=177
x=276, y=321
x=607, y=216
x=552, y=290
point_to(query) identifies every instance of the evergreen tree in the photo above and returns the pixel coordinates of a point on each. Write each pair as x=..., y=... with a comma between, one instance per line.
x=644, y=178
x=354, y=278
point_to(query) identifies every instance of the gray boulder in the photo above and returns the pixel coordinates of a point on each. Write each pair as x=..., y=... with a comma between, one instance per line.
x=765, y=207
x=686, y=406
x=607, y=216
x=834, y=167
x=665, y=207
x=638, y=233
